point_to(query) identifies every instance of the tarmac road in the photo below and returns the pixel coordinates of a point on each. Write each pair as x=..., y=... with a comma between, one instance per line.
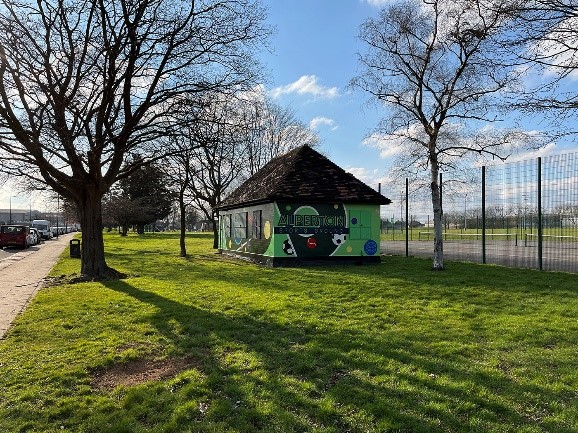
x=555, y=257
x=22, y=273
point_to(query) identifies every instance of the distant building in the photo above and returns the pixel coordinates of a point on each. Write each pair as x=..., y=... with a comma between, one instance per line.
x=14, y=216
x=21, y=216
x=301, y=208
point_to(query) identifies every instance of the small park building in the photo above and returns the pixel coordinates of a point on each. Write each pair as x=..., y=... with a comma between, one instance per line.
x=302, y=208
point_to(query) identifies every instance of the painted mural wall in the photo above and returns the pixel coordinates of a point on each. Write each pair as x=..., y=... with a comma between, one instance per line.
x=286, y=230
x=247, y=230
x=324, y=230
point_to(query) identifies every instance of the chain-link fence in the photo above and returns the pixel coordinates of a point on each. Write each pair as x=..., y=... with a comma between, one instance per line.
x=521, y=214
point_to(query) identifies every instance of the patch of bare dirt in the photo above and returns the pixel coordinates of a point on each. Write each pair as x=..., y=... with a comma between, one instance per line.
x=139, y=371
x=50, y=281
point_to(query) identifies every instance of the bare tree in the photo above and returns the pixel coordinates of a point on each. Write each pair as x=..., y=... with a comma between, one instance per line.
x=232, y=137
x=116, y=212
x=208, y=158
x=84, y=84
x=179, y=168
x=438, y=67
x=216, y=155
x=270, y=130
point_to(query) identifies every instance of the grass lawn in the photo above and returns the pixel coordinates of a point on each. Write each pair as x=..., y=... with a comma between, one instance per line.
x=207, y=344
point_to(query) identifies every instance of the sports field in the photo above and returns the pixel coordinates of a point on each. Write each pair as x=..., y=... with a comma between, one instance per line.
x=515, y=248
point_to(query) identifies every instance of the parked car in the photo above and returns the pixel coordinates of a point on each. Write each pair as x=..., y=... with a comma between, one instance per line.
x=14, y=235
x=33, y=236
x=43, y=226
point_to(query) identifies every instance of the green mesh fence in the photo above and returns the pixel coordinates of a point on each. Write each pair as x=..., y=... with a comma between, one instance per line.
x=526, y=216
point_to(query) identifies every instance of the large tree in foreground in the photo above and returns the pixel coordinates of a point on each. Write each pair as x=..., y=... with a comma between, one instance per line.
x=84, y=84
x=438, y=66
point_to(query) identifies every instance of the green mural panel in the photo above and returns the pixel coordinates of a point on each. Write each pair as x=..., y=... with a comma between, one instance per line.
x=287, y=230
x=322, y=230
x=305, y=230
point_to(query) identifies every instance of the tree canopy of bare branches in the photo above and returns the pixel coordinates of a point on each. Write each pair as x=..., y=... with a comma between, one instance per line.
x=84, y=84
x=270, y=130
x=231, y=139
x=544, y=34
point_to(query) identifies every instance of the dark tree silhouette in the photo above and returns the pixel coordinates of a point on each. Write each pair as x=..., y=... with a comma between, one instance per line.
x=144, y=196
x=83, y=85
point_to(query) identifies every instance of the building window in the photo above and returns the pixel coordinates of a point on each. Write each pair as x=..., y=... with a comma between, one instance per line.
x=240, y=225
x=227, y=228
x=257, y=228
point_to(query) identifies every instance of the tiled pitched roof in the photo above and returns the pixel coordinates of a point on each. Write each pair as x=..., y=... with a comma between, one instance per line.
x=302, y=175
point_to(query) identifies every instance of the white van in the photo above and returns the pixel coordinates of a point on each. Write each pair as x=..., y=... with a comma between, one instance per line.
x=43, y=227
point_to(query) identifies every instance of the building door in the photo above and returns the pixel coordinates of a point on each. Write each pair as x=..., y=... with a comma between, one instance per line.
x=359, y=224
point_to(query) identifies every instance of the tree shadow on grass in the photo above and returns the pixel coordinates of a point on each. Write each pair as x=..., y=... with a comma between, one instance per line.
x=268, y=376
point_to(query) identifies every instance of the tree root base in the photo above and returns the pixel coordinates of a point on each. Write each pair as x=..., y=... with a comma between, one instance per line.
x=110, y=275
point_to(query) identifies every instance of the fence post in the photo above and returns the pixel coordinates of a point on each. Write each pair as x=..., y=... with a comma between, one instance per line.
x=406, y=217
x=484, y=214
x=540, y=213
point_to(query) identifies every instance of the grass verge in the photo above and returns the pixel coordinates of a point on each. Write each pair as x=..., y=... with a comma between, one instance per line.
x=385, y=348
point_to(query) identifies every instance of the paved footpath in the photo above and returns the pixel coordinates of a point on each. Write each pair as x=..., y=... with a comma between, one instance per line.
x=22, y=274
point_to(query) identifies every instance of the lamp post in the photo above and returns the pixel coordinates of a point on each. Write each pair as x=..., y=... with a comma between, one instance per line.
x=10, y=220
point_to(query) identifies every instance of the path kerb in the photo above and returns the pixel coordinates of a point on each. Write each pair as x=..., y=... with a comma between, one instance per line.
x=22, y=275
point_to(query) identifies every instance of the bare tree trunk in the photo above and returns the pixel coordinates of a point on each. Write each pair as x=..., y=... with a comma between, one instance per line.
x=438, y=258
x=183, y=210
x=215, y=221
x=93, y=263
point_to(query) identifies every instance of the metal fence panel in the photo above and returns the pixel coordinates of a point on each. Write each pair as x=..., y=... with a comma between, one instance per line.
x=527, y=218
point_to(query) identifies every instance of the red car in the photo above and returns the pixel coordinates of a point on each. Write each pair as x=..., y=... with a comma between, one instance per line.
x=14, y=235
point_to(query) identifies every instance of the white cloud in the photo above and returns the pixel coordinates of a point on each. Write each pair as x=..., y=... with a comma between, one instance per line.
x=377, y=3
x=547, y=150
x=388, y=145
x=371, y=178
x=318, y=121
x=518, y=143
x=559, y=49
x=306, y=85
x=358, y=172
x=364, y=175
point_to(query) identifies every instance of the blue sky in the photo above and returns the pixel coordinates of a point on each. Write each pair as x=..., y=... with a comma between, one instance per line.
x=315, y=57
